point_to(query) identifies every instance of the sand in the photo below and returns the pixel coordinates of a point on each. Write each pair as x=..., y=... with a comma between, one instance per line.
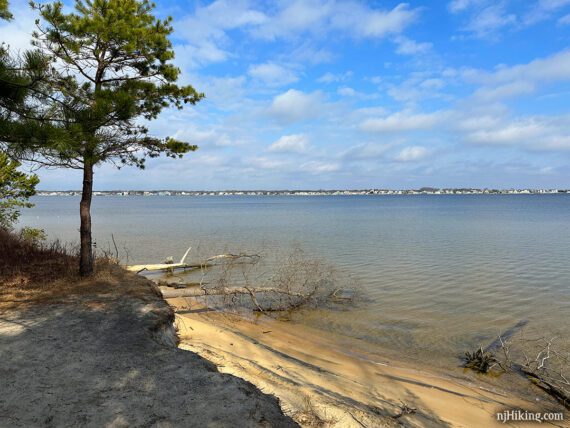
x=105, y=355
x=319, y=382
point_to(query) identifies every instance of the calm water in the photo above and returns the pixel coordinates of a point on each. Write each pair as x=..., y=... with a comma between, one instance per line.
x=440, y=274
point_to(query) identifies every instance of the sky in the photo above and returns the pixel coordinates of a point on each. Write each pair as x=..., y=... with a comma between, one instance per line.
x=346, y=94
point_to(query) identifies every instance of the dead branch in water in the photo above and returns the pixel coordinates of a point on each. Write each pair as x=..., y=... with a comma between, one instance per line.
x=538, y=359
x=219, y=291
x=290, y=282
x=547, y=367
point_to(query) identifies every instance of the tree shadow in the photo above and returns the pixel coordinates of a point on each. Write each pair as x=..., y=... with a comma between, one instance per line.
x=92, y=361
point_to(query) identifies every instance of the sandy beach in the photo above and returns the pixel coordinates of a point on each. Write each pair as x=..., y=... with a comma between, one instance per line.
x=320, y=382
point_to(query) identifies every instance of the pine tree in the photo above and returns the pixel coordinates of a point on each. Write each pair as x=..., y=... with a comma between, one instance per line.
x=111, y=67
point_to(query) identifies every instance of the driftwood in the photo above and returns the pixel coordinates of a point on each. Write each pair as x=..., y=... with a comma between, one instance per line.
x=547, y=386
x=295, y=298
x=224, y=291
x=209, y=262
x=539, y=368
x=162, y=266
x=292, y=281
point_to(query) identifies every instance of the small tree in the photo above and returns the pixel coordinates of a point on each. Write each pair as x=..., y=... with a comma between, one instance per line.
x=15, y=189
x=111, y=70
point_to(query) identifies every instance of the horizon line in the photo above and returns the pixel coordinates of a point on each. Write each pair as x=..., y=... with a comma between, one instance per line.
x=423, y=188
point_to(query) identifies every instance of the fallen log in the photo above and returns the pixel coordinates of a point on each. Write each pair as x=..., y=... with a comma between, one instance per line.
x=168, y=292
x=162, y=266
x=547, y=386
x=209, y=262
x=535, y=370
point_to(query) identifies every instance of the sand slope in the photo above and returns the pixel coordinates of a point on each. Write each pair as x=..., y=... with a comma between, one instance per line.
x=111, y=360
x=344, y=387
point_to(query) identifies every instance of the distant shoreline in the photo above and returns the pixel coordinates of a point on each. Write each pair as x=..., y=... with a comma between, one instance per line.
x=361, y=192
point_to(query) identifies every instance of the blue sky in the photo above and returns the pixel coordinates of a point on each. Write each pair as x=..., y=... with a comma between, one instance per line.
x=315, y=94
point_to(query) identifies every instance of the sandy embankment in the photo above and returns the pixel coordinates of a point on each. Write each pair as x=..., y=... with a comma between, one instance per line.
x=103, y=354
x=347, y=387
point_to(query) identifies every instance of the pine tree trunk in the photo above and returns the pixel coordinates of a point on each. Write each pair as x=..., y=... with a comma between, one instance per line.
x=86, y=251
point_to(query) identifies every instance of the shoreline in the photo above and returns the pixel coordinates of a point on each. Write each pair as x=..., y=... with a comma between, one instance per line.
x=315, y=378
x=264, y=193
x=104, y=352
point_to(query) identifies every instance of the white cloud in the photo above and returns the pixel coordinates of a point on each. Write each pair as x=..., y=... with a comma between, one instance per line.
x=192, y=56
x=407, y=46
x=457, y=6
x=507, y=90
x=266, y=163
x=565, y=20
x=204, y=32
x=512, y=133
x=491, y=15
x=532, y=133
x=543, y=10
x=403, y=121
x=365, y=22
x=317, y=167
x=296, y=143
x=552, y=4
x=295, y=18
x=319, y=17
x=487, y=22
x=226, y=93
x=417, y=87
x=412, y=154
x=202, y=136
x=486, y=17
x=272, y=74
x=313, y=167
x=521, y=79
x=209, y=160
x=470, y=121
x=347, y=91
x=17, y=33
x=308, y=53
x=294, y=105
x=365, y=151
x=331, y=77
x=205, y=39
x=552, y=68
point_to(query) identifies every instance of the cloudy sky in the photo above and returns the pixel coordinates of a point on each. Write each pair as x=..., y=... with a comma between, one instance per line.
x=315, y=94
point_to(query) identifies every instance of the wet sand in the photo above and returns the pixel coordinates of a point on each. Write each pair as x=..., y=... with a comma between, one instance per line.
x=315, y=377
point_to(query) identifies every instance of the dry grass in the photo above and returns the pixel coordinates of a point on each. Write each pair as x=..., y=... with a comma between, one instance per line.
x=24, y=263
x=32, y=273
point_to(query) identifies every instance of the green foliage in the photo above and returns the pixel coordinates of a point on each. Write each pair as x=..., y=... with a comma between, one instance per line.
x=15, y=189
x=33, y=235
x=81, y=98
x=20, y=77
x=15, y=186
x=4, y=12
x=111, y=67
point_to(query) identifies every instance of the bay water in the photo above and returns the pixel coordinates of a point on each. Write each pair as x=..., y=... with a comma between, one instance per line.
x=439, y=274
